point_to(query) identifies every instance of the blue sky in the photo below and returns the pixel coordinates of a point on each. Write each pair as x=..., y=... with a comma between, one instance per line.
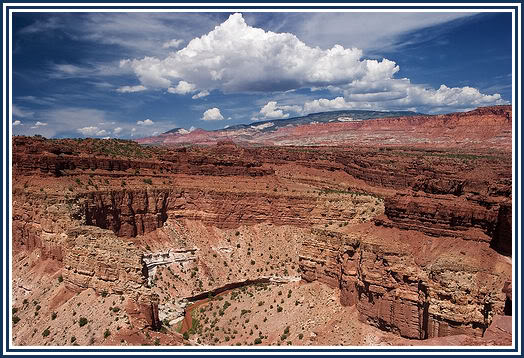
x=129, y=75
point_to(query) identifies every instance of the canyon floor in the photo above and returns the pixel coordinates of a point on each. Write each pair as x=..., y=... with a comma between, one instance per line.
x=117, y=243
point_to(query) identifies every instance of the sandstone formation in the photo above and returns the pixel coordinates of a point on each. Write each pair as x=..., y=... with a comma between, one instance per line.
x=395, y=288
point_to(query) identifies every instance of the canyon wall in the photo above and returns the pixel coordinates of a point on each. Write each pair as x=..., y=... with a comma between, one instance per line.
x=134, y=212
x=394, y=288
x=37, y=156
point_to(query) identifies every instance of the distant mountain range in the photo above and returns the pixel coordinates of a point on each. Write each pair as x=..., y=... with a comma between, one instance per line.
x=484, y=126
x=313, y=118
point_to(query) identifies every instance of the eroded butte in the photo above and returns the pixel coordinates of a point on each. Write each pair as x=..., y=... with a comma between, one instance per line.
x=361, y=243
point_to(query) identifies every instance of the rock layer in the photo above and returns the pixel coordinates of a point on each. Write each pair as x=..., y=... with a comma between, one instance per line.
x=393, y=291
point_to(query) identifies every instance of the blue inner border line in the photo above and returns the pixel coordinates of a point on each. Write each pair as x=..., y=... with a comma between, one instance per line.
x=197, y=7
x=517, y=149
x=7, y=238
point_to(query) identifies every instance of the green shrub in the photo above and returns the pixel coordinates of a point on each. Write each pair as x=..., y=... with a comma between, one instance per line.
x=46, y=332
x=73, y=339
x=258, y=340
x=148, y=181
x=53, y=315
x=60, y=279
x=16, y=319
x=107, y=333
x=82, y=322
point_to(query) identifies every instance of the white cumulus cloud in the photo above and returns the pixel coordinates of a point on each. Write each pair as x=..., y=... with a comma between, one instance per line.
x=40, y=124
x=183, y=87
x=270, y=111
x=131, y=89
x=17, y=123
x=408, y=96
x=147, y=122
x=237, y=57
x=212, y=114
x=201, y=94
x=323, y=104
x=88, y=130
x=92, y=131
x=117, y=130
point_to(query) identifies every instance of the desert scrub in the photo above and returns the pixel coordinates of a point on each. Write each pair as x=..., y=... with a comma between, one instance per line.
x=82, y=321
